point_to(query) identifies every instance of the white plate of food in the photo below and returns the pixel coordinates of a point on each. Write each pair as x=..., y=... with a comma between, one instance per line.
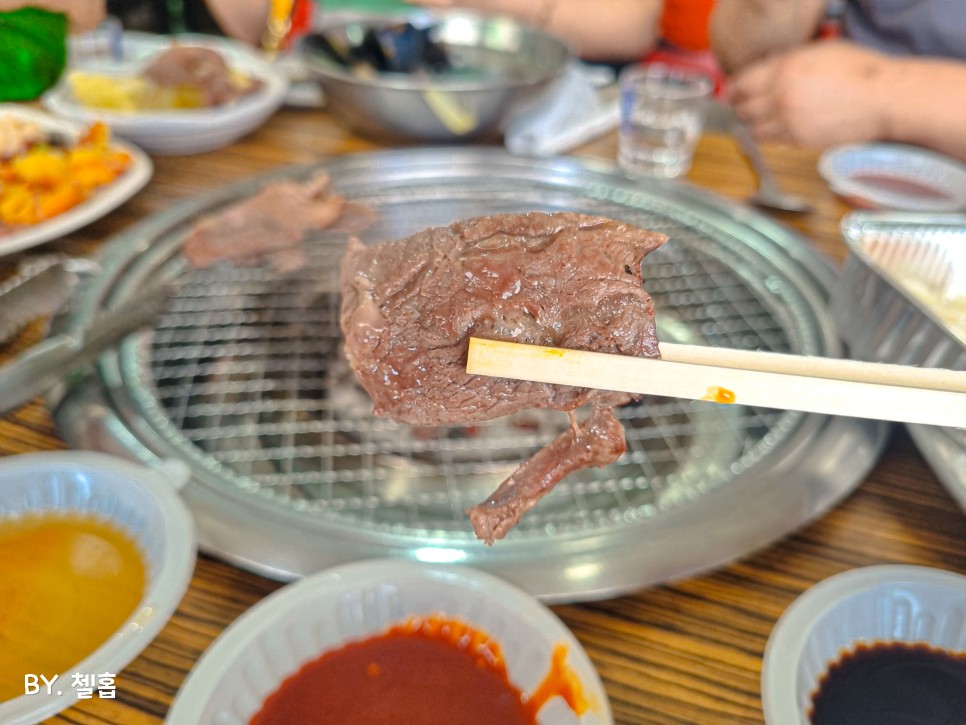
x=469, y=627
x=172, y=96
x=23, y=129
x=895, y=176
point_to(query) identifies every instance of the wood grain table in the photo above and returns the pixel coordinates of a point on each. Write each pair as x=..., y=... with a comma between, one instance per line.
x=690, y=652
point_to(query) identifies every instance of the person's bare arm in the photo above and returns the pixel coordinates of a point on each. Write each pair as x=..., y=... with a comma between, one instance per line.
x=84, y=14
x=926, y=103
x=743, y=31
x=597, y=29
x=241, y=19
x=829, y=93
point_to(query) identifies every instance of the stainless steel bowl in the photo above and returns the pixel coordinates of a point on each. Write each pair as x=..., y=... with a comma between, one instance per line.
x=890, y=306
x=496, y=62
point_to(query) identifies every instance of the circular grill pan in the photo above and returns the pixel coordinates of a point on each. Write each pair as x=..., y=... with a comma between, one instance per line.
x=243, y=377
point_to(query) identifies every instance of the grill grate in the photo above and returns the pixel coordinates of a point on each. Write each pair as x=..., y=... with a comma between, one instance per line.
x=247, y=373
x=243, y=380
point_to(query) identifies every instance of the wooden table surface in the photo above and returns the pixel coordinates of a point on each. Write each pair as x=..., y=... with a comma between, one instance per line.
x=690, y=652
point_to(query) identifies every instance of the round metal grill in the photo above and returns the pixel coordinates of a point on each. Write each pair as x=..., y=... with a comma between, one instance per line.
x=244, y=376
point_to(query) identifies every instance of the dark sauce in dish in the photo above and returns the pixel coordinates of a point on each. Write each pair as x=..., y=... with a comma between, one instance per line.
x=427, y=671
x=892, y=684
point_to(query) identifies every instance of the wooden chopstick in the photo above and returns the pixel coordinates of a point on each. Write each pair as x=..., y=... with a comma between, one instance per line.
x=879, y=391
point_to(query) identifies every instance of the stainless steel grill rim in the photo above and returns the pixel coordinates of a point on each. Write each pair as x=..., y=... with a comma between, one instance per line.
x=230, y=378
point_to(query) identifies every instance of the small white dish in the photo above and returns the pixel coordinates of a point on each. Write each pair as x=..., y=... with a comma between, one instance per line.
x=892, y=603
x=322, y=612
x=895, y=176
x=143, y=502
x=178, y=132
x=103, y=200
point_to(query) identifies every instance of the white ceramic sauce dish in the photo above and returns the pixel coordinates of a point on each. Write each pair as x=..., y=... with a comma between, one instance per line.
x=353, y=602
x=141, y=502
x=876, y=604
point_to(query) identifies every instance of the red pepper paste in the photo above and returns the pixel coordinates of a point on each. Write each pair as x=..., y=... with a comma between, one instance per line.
x=426, y=671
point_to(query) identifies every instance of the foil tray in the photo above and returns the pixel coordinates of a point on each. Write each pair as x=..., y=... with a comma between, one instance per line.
x=903, y=300
x=242, y=377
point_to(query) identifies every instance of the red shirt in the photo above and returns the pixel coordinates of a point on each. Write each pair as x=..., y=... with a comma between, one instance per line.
x=684, y=23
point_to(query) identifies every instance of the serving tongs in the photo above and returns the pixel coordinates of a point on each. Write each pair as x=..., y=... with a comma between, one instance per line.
x=877, y=391
x=41, y=290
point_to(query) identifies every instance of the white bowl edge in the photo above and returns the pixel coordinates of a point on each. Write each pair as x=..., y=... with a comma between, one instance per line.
x=799, y=649
x=901, y=160
x=168, y=581
x=321, y=612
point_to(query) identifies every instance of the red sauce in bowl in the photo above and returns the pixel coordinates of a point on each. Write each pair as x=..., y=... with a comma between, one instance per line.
x=900, y=185
x=426, y=671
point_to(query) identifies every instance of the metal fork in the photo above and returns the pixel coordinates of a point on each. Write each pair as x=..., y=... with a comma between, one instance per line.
x=769, y=194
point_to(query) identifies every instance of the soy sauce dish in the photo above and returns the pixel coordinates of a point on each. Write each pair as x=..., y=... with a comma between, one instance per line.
x=880, y=644
x=387, y=641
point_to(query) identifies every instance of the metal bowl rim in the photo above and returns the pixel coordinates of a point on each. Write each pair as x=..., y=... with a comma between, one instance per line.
x=328, y=72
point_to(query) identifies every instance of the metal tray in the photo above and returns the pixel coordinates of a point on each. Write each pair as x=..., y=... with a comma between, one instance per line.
x=242, y=378
x=889, y=308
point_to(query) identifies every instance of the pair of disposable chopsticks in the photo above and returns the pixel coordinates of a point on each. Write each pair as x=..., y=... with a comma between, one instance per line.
x=932, y=396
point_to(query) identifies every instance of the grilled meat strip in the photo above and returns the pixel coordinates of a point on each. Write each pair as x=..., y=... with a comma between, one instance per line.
x=565, y=280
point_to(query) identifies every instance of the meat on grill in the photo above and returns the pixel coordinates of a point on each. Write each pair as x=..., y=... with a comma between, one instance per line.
x=271, y=224
x=565, y=280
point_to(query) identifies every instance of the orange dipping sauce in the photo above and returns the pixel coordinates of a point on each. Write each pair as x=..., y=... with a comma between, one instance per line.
x=68, y=582
x=427, y=671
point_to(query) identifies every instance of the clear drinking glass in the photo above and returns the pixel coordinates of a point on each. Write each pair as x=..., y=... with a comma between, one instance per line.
x=662, y=115
x=103, y=44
